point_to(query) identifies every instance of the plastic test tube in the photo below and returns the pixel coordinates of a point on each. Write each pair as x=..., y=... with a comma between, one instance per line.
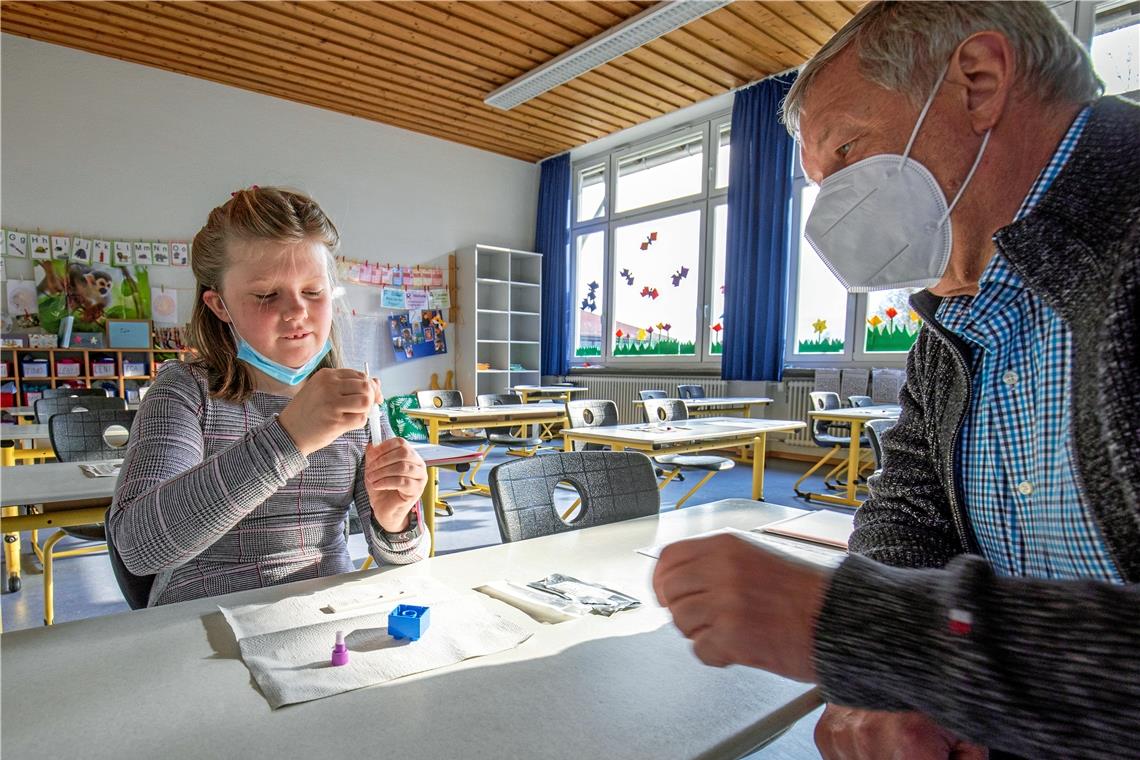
x=375, y=418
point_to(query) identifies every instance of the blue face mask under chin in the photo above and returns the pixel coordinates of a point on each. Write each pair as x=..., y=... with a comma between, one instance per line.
x=276, y=370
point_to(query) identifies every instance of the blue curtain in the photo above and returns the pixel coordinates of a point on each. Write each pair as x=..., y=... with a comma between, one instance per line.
x=759, y=205
x=552, y=240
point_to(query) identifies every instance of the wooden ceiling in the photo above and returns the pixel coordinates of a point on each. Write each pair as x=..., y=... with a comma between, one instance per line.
x=426, y=66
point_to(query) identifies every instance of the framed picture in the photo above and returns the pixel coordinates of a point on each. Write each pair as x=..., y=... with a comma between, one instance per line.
x=128, y=333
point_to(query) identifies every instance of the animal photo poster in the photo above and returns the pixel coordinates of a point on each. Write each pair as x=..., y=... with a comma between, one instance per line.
x=90, y=294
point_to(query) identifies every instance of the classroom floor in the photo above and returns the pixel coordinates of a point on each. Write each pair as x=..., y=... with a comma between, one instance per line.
x=85, y=586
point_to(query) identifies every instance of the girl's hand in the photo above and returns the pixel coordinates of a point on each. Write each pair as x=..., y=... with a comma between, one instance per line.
x=394, y=475
x=332, y=402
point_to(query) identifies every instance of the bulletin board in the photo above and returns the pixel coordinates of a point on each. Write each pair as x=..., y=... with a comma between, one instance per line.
x=417, y=334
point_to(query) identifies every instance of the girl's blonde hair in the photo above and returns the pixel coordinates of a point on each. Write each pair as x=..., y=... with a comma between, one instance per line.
x=257, y=214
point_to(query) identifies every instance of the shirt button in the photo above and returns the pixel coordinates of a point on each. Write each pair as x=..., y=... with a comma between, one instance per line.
x=1025, y=488
x=1010, y=378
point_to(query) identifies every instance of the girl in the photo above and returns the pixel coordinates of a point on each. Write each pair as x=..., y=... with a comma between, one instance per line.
x=243, y=463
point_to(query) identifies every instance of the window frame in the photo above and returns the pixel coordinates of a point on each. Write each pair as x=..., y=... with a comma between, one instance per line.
x=855, y=355
x=705, y=202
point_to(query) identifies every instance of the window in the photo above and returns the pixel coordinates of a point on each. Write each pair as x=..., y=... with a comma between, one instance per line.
x=649, y=264
x=1115, y=53
x=830, y=326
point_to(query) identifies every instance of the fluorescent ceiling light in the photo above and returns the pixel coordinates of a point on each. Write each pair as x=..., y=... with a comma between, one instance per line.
x=630, y=34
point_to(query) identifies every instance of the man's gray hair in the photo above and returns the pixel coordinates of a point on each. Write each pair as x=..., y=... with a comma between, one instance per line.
x=903, y=46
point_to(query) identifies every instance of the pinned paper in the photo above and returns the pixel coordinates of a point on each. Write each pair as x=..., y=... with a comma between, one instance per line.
x=180, y=254
x=60, y=247
x=141, y=252
x=81, y=250
x=40, y=246
x=164, y=306
x=160, y=254
x=101, y=252
x=393, y=298
x=16, y=244
x=440, y=298
x=416, y=299
x=122, y=253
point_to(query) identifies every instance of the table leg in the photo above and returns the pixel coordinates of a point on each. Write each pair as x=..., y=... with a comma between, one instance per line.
x=759, y=455
x=11, y=540
x=853, y=461
x=433, y=432
x=431, y=488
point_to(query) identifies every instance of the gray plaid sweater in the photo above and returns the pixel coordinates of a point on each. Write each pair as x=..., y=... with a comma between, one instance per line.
x=1048, y=668
x=214, y=497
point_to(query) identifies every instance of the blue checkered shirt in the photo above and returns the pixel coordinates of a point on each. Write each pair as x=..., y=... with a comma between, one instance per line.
x=1019, y=480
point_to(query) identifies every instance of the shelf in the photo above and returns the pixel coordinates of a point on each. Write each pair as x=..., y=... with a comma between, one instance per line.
x=526, y=313
x=525, y=342
x=489, y=340
x=492, y=281
x=525, y=284
x=493, y=371
x=493, y=311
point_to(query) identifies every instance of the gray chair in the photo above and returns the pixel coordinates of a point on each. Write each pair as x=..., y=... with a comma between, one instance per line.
x=829, y=435
x=857, y=401
x=591, y=413
x=46, y=408
x=690, y=391
x=450, y=399
x=82, y=437
x=673, y=410
x=886, y=385
x=651, y=393
x=826, y=381
x=875, y=430
x=853, y=382
x=63, y=392
x=135, y=588
x=614, y=486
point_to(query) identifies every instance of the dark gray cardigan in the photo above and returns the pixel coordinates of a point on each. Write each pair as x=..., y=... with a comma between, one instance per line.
x=1050, y=668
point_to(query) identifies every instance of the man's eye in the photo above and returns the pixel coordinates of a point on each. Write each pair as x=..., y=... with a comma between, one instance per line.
x=844, y=149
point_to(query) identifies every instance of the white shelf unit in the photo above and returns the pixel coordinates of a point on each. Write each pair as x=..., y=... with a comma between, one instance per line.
x=499, y=320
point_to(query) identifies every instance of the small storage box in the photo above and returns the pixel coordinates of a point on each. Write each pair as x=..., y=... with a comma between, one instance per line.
x=103, y=368
x=7, y=398
x=133, y=369
x=67, y=368
x=3, y=369
x=31, y=397
x=35, y=368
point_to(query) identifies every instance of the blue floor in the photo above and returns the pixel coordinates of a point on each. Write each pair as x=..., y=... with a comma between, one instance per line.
x=85, y=586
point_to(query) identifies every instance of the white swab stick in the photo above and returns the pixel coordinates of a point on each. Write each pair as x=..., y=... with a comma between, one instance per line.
x=375, y=426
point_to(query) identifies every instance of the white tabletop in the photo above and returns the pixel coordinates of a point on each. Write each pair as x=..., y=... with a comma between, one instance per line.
x=30, y=411
x=10, y=432
x=168, y=681
x=718, y=401
x=860, y=413
x=694, y=429
x=477, y=413
x=64, y=481
x=548, y=388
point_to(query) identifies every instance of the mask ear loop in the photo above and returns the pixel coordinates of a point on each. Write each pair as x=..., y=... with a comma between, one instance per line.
x=922, y=115
x=969, y=176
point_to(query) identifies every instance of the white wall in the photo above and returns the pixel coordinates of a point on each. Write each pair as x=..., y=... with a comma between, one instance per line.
x=103, y=148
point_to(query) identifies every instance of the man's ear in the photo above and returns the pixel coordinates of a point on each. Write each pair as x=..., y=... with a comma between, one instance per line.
x=985, y=67
x=214, y=301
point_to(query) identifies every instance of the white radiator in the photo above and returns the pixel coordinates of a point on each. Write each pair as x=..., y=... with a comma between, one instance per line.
x=799, y=404
x=623, y=390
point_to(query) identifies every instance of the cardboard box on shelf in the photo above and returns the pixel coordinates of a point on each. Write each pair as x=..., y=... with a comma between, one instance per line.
x=103, y=367
x=35, y=368
x=67, y=368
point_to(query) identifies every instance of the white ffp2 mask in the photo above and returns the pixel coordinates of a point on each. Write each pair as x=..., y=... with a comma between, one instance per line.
x=883, y=222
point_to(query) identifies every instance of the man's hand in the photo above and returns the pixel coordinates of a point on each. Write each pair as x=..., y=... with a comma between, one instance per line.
x=742, y=604
x=395, y=475
x=844, y=733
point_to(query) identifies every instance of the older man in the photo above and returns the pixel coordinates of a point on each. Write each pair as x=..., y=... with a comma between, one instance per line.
x=963, y=147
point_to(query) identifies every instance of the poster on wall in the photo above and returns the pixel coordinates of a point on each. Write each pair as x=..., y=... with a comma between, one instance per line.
x=417, y=335
x=16, y=244
x=141, y=252
x=101, y=252
x=160, y=254
x=22, y=303
x=180, y=254
x=90, y=294
x=122, y=253
x=81, y=250
x=60, y=247
x=40, y=246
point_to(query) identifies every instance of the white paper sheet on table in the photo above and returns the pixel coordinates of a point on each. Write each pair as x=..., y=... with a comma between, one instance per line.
x=811, y=552
x=287, y=645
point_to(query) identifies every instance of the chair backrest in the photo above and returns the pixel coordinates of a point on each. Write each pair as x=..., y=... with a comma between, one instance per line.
x=439, y=399
x=822, y=401
x=498, y=399
x=81, y=436
x=135, y=588
x=857, y=401
x=826, y=380
x=648, y=394
x=64, y=392
x=690, y=391
x=853, y=382
x=886, y=384
x=45, y=408
x=665, y=410
x=614, y=486
x=591, y=413
x=875, y=430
